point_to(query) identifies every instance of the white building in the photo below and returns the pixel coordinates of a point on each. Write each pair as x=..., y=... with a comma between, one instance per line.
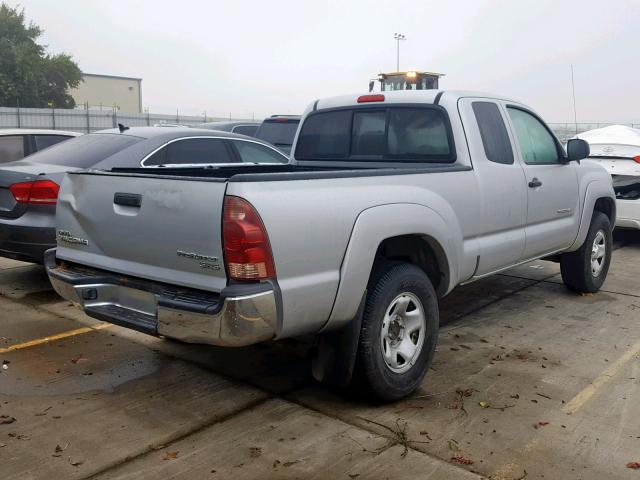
x=125, y=93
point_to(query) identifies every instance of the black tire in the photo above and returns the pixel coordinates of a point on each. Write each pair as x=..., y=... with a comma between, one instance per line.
x=371, y=371
x=576, y=266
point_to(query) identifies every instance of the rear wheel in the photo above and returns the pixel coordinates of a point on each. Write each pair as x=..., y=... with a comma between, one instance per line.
x=399, y=333
x=585, y=270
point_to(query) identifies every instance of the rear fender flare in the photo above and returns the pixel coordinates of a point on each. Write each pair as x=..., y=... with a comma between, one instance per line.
x=375, y=225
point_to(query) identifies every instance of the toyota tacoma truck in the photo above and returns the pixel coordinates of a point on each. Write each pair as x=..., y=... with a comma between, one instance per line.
x=391, y=201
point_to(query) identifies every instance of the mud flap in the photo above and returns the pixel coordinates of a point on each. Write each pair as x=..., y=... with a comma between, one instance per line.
x=337, y=352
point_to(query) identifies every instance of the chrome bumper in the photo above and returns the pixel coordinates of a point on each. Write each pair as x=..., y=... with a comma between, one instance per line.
x=234, y=321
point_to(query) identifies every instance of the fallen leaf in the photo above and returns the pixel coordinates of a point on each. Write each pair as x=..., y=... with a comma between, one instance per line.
x=354, y=475
x=6, y=419
x=75, y=463
x=462, y=460
x=3, y=445
x=255, y=452
x=453, y=446
x=288, y=464
x=424, y=433
x=516, y=396
x=540, y=424
x=170, y=455
x=633, y=465
x=78, y=359
x=484, y=404
x=44, y=412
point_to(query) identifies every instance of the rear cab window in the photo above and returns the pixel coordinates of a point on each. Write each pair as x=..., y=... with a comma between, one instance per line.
x=373, y=134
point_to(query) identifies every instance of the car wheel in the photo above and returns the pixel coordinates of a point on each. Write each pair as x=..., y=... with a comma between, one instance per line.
x=585, y=270
x=399, y=333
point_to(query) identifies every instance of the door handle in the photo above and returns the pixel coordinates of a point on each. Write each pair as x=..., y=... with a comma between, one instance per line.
x=534, y=183
x=127, y=199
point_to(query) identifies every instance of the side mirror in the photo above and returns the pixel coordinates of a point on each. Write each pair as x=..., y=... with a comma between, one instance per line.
x=577, y=149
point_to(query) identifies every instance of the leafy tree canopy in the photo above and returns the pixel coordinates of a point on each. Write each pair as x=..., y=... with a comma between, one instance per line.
x=29, y=76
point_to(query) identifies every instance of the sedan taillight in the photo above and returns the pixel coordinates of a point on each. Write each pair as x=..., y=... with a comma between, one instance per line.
x=40, y=192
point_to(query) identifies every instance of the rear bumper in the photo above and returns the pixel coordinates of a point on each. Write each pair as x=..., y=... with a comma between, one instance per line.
x=628, y=214
x=26, y=243
x=238, y=316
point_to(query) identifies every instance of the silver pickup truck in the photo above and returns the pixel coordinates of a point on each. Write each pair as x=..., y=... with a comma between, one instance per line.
x=389, y=203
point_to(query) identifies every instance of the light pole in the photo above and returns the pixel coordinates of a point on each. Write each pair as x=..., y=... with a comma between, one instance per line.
x=398, y=37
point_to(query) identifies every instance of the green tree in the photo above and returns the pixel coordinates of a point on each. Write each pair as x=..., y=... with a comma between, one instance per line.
x=29, y=76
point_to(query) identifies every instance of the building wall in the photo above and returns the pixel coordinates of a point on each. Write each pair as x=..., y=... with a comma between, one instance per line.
x=125, y=93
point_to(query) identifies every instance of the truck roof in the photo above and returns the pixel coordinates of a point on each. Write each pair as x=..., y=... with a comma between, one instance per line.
x=403, y=96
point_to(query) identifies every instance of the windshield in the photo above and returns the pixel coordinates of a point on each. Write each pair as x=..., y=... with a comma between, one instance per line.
x=278, y=133
x=84, y=151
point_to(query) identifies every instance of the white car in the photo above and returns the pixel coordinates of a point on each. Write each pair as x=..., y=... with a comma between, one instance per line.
x=617, y=149
x=17, y=143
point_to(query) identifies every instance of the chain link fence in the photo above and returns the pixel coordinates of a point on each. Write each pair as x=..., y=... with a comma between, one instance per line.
x=90, y=120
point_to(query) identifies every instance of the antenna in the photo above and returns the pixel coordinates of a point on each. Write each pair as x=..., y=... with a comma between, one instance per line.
x=573, y=91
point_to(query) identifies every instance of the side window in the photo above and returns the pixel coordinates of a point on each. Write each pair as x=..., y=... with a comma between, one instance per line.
x=249, y=130
x=255, y=153
x=536, y=143
x=44, y=141
x=198, y=150
x=11, y=148
x=157, y=158
x=493, y=132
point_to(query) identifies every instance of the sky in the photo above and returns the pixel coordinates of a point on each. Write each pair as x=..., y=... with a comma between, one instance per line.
x=255, y=57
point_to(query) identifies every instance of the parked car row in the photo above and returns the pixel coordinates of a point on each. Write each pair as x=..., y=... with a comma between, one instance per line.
x=29, y=188
x=278, y=130
x=389, y=201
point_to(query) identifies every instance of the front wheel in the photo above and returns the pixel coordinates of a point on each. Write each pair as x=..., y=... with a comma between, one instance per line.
x=399, y=333
x=585, y=270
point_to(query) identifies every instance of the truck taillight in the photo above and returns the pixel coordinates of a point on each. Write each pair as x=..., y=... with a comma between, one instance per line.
x=247, y=253
x=40, y=192
x=637, y=158
x=371, y=98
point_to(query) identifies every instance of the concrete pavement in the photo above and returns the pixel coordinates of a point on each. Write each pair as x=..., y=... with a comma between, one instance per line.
x=529, y=380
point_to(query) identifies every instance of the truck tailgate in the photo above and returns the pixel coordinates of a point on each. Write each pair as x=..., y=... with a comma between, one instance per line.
x=156, y=227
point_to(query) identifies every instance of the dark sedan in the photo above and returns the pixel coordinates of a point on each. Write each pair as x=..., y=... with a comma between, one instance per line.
x=246, y=127
x=29, y=187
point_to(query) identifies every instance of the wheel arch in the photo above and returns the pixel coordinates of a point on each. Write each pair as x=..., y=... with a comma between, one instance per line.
x=599, y=196
x=408, y=232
